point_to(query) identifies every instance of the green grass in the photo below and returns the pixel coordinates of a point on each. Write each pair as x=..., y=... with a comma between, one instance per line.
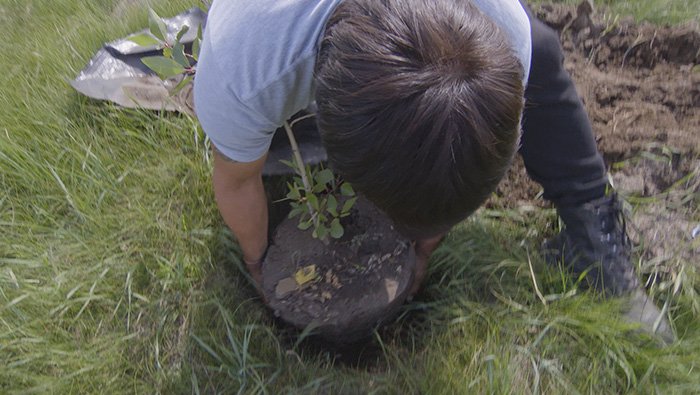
x=118, y=276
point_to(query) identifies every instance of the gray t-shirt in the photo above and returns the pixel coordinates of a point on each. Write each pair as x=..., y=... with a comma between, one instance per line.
x=256, y=65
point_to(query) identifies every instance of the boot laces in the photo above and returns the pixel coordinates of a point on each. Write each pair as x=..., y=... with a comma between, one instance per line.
x=613, y=227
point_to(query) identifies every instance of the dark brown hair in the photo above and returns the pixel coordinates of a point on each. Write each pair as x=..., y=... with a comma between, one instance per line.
x=419, y=106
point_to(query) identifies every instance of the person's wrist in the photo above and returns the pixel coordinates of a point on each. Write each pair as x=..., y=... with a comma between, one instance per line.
x=427, y=246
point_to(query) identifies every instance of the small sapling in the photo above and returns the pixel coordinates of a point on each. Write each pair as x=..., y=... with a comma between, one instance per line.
x=311, y=193
x=174, y=61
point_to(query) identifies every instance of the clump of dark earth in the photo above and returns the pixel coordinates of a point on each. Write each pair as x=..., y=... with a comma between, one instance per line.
x=358, y=281
x=640, y=85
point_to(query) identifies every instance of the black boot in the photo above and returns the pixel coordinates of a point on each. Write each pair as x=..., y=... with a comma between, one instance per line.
x=595, y=242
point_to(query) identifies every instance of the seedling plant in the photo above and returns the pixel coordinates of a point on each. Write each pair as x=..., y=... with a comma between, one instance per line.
x=317, y=206
x=312, y=196
x=174, y=61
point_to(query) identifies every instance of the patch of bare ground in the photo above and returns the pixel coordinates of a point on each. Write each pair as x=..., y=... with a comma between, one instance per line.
x=640, y=84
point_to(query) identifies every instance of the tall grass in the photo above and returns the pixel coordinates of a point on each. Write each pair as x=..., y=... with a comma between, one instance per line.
x=95, y=209
x=118, y=276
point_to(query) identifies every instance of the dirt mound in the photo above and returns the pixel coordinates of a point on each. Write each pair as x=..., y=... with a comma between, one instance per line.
x=640, y=84
x=617, y=41
x=637, y=81
x=347, y=287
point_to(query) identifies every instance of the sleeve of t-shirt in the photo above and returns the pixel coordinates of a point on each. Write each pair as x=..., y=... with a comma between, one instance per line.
x=238, y=131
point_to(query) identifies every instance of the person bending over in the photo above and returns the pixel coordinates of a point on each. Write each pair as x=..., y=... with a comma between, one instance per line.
x=420, y=108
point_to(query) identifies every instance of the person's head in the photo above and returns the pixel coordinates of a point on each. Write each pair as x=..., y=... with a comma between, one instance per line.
x=419, y=106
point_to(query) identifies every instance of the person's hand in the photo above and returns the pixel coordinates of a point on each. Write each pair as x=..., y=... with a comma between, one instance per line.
x=423, y=248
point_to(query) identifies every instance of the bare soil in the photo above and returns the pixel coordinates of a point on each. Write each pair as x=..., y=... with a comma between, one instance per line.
x=640, y=84
x=358, y=281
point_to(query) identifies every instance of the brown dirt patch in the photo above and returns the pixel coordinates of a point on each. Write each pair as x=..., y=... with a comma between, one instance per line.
x=640, y=84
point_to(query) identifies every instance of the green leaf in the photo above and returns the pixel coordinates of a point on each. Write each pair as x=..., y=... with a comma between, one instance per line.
x=164, y=67
x=157, y=26
x=346, y=189
x=295, y=212
x=324, y=176
x=287, y=163
x=348, y=205
x=181, y=85
x=294, y=194
x=336, y=229
x=321, y=232
x=144, y=39
x=319, y=188
x=179, y=55
x=197, y=43
x=196, y=46
x=332, y=205
x=182, y=32
x=313, y=200
x=305, y=225
x=304, y=213
x=168, y=52
x=297, y=169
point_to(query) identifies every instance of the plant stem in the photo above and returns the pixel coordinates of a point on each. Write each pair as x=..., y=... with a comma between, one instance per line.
x=302, y=169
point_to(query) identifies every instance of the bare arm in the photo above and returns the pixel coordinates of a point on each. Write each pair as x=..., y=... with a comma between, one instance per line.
x=241, y=199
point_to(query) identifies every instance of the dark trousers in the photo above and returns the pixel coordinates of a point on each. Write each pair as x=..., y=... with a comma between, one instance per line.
x=558, y=146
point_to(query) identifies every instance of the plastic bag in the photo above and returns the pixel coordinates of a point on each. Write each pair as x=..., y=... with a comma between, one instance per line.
x=117, y=74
